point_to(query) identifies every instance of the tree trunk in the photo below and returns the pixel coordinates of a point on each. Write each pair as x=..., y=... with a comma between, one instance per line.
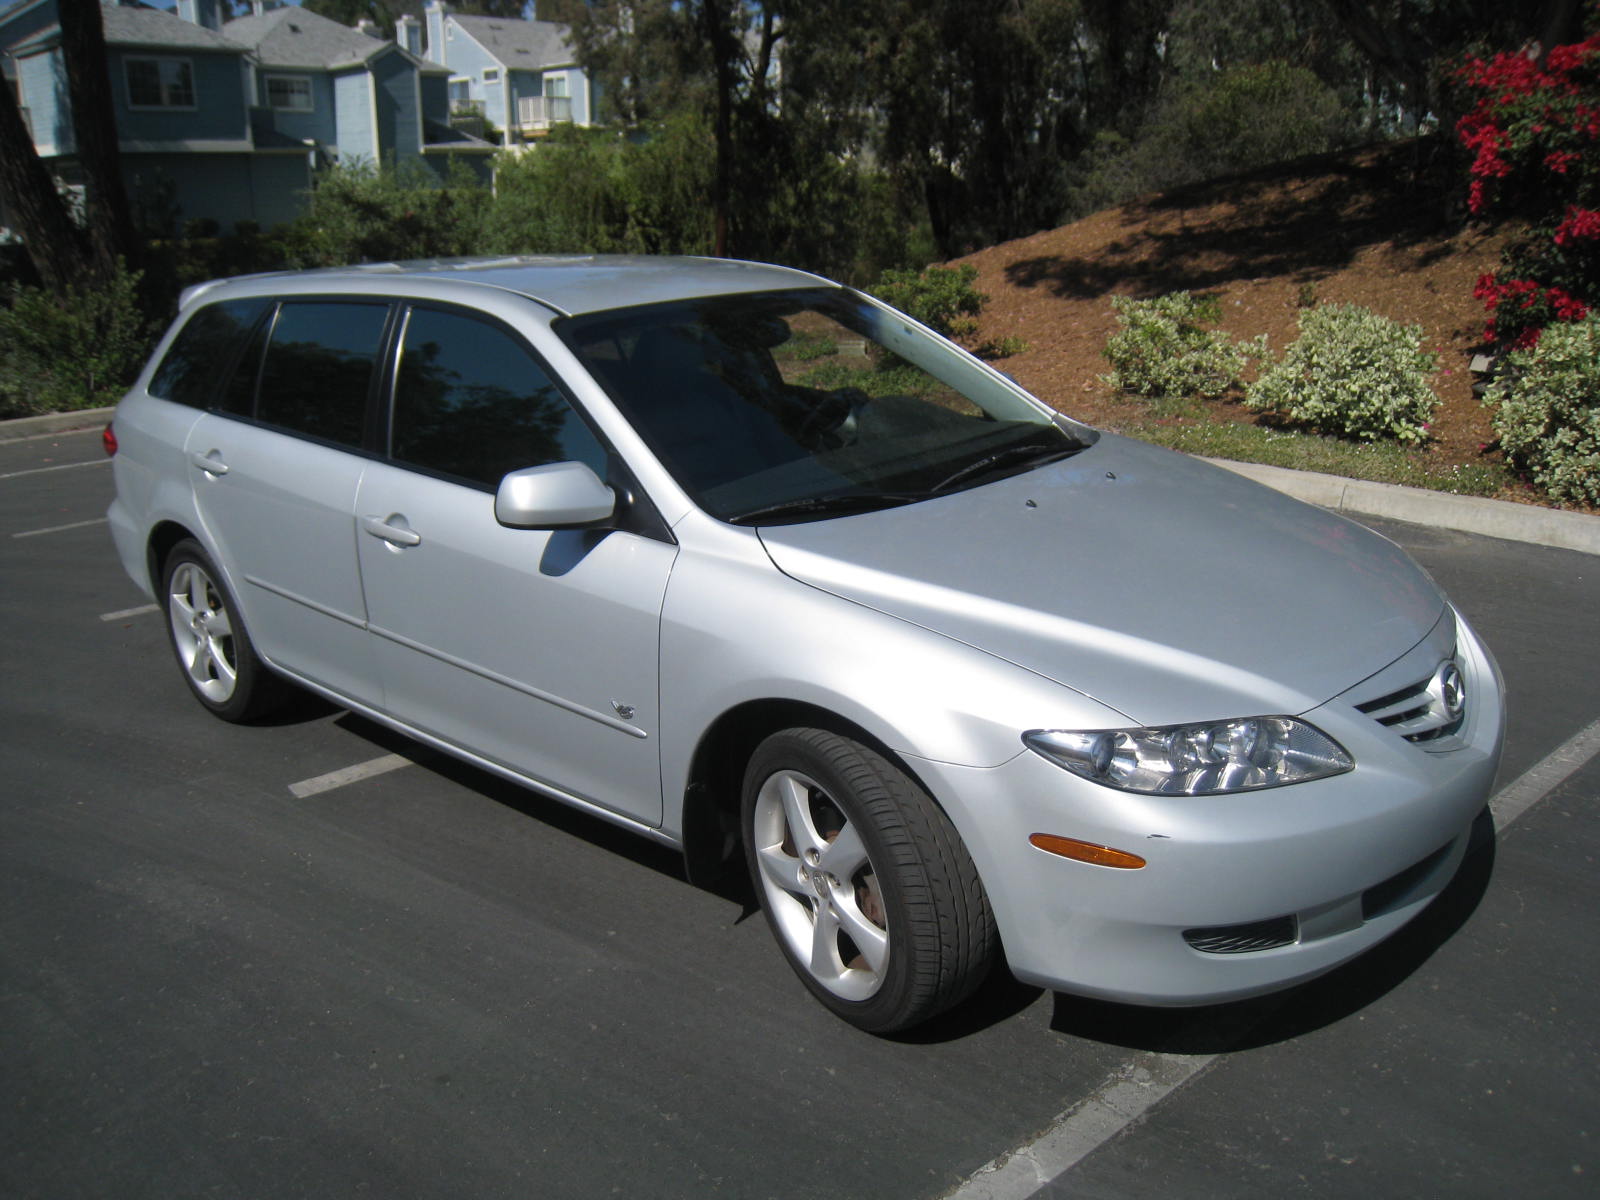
x=83, y=47
x=724, y=47
x=54, y=243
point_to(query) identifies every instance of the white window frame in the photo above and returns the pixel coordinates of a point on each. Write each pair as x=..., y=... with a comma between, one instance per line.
x=491, y=75
x=559, y=77
x=303, y=81
x=187, y=64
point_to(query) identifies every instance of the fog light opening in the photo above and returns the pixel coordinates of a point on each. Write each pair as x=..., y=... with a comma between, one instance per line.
x=1089, y=852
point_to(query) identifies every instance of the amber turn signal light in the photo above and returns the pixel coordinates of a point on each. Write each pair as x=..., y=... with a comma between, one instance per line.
x=1100, y=856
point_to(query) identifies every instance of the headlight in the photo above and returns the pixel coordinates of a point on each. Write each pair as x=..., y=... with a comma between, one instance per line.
x=1195, y=760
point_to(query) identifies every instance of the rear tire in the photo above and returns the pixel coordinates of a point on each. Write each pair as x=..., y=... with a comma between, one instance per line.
x=210, y=642
x=865, y=883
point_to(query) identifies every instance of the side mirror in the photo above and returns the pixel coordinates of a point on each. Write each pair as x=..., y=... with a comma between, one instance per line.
x=555, y=496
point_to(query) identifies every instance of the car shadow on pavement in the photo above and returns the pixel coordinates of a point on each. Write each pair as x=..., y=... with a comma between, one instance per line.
x=1210, y=1029
x=1266, y=1020
x=547, y=811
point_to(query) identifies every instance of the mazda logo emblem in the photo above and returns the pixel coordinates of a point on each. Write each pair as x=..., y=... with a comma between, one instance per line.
x=1451, y=689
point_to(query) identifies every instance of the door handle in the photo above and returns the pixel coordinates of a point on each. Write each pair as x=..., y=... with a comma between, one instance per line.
x=210, y=462
x=393, y=529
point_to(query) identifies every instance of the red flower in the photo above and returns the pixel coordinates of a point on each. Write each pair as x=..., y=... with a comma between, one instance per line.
x=1568, y=307
x=1580, y=224
x=1560, y=160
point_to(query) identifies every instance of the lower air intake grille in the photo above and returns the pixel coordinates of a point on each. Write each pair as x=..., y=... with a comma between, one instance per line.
x=1243, y=939
x=1396, y=890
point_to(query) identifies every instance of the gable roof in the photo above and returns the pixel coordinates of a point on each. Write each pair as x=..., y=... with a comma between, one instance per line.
x=143, y=28
x=529, y=45
x=293, y=37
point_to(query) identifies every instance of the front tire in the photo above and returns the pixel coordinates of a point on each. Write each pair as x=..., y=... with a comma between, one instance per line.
x=865, y=883
x=210, y=642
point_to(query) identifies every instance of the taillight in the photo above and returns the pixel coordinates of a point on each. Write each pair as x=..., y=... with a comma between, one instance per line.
x=108, y=439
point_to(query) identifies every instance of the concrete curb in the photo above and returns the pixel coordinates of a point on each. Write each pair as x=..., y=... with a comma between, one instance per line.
x=27, y=427
x=1466, y=514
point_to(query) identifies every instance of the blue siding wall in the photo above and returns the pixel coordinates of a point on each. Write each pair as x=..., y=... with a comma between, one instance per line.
x=353, y=114
x=219, y=112
x=266, y=188
x=318, y=124
x=44, y=93
x=465, y=57
x=480, y=165
x=279, y=184
x=399, y=121
x=436, y=98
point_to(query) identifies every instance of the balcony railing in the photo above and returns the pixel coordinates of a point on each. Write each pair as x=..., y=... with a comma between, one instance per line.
x=541, y=112
x=466, y=108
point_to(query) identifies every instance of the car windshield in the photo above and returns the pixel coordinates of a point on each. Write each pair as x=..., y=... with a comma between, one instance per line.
x=798, y=405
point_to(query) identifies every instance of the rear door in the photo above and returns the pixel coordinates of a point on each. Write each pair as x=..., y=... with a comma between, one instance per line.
x=536, y=650
x=275, y=474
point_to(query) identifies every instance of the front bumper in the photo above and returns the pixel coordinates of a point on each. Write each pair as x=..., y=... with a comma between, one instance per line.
x=1315, y=873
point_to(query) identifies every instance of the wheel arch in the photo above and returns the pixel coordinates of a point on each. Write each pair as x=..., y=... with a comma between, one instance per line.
x=711, y=797
x=158, y=546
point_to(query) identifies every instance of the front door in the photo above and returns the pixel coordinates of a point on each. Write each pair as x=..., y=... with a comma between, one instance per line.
x=535, y=649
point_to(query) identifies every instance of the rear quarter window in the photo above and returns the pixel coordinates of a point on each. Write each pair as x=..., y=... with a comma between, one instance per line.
x=192, y=365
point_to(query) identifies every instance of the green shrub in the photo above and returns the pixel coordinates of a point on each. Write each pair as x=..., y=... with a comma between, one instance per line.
x=1163, y=347
x=589, y=191
x=363, y=213
x=942, y=298
x=62, y=355
x=1351, y=372
x=1206, y=124
x=1549, y=411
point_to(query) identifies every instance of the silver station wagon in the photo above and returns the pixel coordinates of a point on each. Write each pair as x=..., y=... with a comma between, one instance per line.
x=755, y=566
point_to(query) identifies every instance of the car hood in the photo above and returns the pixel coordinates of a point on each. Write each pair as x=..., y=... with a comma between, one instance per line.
x=1160, y=586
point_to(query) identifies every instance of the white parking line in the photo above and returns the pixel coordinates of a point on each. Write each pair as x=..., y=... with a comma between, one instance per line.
x=131, y=612
x=336, y=779
x=99, y=462
x=1549, y=773
x=61, y=528
x=1145, y=1080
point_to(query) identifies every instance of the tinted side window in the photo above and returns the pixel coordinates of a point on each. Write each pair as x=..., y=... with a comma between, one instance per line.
x=472, y=402
x=202, y=348
x=318, y=368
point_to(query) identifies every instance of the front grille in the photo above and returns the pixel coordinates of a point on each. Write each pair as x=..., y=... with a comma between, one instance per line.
x=1243, y=939
x=1426, y=711
x=1396, y=890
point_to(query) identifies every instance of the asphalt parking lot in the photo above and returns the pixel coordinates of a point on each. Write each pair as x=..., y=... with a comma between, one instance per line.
x=309, y=959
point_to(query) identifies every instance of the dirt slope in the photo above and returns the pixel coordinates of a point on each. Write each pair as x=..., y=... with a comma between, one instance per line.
x=1346, y=230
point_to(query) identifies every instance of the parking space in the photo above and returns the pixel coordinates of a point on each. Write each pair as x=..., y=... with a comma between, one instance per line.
x=414, y=979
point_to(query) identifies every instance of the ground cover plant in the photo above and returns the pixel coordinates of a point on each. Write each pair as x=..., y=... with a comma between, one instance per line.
x=1168, y=347
x=1367, y=228
x=1351, y=372
x=1548, y=410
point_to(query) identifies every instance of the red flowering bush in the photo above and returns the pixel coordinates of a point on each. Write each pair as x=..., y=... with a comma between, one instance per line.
x=1534, y=133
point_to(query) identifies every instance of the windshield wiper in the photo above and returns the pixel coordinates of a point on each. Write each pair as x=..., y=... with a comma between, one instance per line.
x=838, y=504
x=989, y=462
